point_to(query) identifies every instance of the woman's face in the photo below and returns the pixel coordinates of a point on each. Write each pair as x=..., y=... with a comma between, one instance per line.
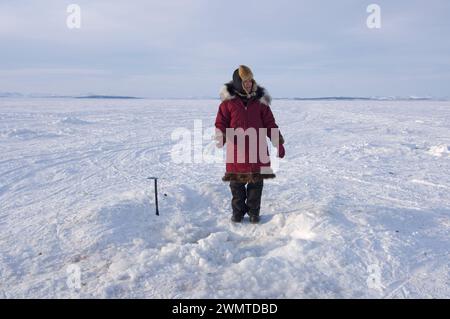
x=248, y=84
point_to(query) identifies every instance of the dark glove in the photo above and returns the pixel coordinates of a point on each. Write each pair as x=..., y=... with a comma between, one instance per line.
x=281, y=151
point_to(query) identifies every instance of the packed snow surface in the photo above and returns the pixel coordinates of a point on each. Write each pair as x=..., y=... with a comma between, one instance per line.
x=360, y=207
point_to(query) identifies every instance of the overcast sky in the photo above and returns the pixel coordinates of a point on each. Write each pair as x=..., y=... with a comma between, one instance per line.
x=182, y=48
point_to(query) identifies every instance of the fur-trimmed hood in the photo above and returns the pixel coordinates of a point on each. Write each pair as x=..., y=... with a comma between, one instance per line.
x=228, y=92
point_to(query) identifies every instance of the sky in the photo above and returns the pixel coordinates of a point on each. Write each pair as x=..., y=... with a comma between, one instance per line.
x=189, y=48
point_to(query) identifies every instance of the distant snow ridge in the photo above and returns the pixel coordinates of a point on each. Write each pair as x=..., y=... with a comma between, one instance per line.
x=74, y=120
x=371, y=98
x=20, y=133
x=439, y=150
x=26, y=134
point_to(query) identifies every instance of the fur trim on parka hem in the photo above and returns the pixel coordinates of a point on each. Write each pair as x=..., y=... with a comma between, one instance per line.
x=246, y=177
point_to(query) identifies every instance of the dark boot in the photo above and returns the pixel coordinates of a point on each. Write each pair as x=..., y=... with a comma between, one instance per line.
x=254, y=192
x=238, y=201
x=237, y=218
x=254, y=219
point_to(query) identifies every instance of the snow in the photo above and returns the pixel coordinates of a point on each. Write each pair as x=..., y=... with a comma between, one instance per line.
x=439, y=150
x=360, y=207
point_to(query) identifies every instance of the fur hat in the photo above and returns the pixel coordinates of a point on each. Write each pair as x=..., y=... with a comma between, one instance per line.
x=241, y=74
x=245, y=73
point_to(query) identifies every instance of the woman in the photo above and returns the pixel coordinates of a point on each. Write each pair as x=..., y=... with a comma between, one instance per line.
x=243, y=121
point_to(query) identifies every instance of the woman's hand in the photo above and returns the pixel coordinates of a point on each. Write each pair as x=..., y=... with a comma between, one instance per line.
x=219, y=138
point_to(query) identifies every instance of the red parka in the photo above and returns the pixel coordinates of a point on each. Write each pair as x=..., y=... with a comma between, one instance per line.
x=253, y=163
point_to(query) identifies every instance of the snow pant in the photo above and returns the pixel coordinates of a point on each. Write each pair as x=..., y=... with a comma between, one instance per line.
x=246, y=199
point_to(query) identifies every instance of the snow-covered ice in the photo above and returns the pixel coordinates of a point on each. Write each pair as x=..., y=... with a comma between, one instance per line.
x=360, y=207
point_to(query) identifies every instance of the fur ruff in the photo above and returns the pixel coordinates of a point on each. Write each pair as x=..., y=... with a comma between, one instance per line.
x=228, y=92
x=246, y=177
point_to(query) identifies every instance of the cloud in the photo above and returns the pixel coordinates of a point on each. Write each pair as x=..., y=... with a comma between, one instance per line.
x=51, y=71
x=293, y=45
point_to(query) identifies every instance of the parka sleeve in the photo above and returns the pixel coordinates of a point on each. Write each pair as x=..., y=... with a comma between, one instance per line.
x=269, y=123
x=223, y=119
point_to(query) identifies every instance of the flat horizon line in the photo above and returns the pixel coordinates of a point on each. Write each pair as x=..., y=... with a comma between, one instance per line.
x=130, y=97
